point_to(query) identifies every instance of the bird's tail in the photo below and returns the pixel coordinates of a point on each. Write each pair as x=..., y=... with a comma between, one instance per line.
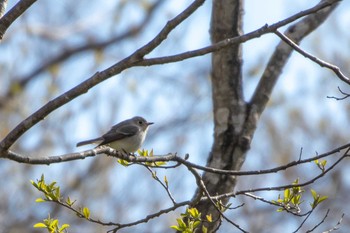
x=91, y=141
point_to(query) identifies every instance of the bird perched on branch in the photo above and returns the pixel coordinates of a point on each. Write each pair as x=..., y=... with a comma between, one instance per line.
x=127, y=136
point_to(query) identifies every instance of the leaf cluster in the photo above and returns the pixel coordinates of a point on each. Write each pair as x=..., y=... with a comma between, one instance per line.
x=52, y=225
x=190, y=221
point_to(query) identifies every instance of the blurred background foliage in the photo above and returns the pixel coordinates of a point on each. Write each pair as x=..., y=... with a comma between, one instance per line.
x=57, y=45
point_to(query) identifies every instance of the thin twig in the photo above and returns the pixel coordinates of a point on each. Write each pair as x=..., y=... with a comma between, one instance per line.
x=275, y=204
x=318, y=224
x=313, y=58
x=303, y=222
x=201, y=185
x=165, y=186
x=151, y=216
x=345, y=95
x=336, y=227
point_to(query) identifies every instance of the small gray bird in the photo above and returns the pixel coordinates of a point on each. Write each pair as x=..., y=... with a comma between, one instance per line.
x=127, y=136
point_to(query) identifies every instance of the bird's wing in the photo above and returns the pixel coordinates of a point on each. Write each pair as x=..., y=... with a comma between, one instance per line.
x=119, y=132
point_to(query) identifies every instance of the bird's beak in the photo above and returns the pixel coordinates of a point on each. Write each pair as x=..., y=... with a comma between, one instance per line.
x=150, y=123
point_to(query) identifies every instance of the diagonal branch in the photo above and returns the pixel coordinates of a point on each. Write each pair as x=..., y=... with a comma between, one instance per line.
x=278, y=60
x=13, y=14
x=22, y=82
x=234, y=40
x=313, y=58
x=274, y=68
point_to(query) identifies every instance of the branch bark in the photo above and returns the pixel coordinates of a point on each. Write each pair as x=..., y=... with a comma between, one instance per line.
x=13, y=14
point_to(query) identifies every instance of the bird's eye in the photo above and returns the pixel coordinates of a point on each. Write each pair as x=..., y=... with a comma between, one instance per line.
x=140, y=122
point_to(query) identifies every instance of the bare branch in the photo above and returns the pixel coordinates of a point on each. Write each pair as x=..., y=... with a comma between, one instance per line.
x=165, y=186
x=296, y=32
x=13, y=14
x=119, y=226
x=151, y=216
x=345, y=95
x=315, y=59
x=303, y=222
x=336, y=227
x=322, y=221
x=84, y=154
x=283, y=187
x=47, y=160
x=21, y=82
x=235, y=40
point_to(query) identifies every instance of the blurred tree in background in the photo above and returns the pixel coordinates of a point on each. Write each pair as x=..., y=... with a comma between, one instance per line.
x=54, y=47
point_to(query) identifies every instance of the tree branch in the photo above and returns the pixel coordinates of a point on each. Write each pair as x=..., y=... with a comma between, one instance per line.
x=234, y=40
x=21, y=82
x=315, y=59
x=13, y=14
x=296, y=32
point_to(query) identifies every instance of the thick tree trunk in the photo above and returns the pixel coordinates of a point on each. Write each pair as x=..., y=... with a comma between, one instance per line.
x=229, y=109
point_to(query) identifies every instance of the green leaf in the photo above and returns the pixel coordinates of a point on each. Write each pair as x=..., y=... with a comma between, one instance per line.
x=86, y=212
x=154, y=175
x=54, y=224
x=286, y=194
x=70, y=202
x=123, y=162
x=209, y=218
x=63, y=227
x=204, y=229
x=39, y=200
x=196, y=223
x=52, y=185
x=166, y=181
x=321, y=199
x=40, y=225
x=193, y=212
x=296, y=182
x=175, y=227
x=181, y=223
x=58, y=193
x=314, y=194
x=160, y=163
x=143, y=153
